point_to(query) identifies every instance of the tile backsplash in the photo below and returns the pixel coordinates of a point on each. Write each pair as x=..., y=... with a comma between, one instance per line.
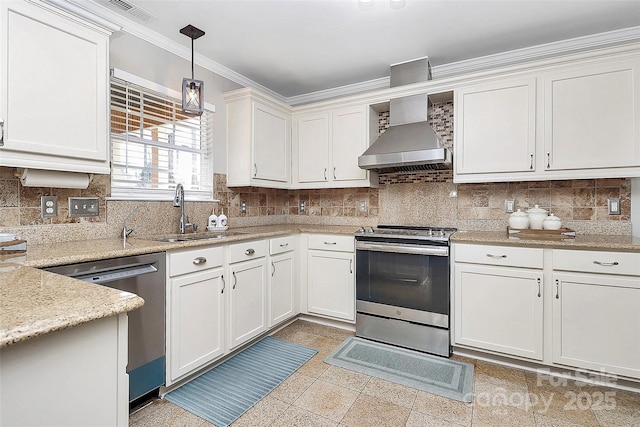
x=411, y=198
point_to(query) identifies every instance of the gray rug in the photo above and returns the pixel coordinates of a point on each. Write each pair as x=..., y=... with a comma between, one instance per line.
x=230, y=389
x=433, y=374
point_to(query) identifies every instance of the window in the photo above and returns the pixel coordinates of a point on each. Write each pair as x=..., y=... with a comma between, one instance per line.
x=155, y=146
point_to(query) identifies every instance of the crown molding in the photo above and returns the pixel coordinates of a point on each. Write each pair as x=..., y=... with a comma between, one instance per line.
x=538, y=52
x=321, y=95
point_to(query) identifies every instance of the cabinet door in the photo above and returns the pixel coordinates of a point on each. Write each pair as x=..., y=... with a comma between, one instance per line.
x=349, y=139
x=495, y=127
x=271, y=144
x=330, y=284
x=595, y=322
x=313, y=147
x=247, y=308
x=197, y=321
x=499, y=309
x=53, y=85
x=591, y=116
x=281, y=288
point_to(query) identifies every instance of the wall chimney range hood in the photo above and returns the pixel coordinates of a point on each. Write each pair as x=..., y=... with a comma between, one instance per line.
x=409, y=143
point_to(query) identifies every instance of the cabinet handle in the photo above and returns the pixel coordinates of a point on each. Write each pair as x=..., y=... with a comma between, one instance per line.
x=224, y=285
x=531, y=165
x=496, y=256
x=325, y=174
x=235, y=280
x=539, y=289
x=273, y=269
x=284, y=245
x=557, y=289
x=548, y=160
x=200, y=260
x=334, y=173
x=249, y=252
x=606, y=264
x=1, y=132
x=330, y=243
x=351, y=266
x=255, y=170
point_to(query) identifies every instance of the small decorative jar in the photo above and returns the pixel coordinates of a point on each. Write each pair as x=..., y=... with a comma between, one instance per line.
x=552, y=222
x=536, y=217
x=519, y=220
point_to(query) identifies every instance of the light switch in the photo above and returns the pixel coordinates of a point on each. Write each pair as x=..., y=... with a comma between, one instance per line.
x=83, y=206
x=614, y=206
x=509, y=205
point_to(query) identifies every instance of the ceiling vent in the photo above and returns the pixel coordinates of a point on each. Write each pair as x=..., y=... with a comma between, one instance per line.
x=129, y=10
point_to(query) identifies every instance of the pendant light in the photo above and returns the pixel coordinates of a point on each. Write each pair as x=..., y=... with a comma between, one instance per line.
x=192, y=90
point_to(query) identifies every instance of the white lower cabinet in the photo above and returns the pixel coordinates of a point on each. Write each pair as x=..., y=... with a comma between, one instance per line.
x=282, y=280
x=498, y=305
x=248, y=293
x=587, y=312
x=330, y=276
x=196, y=310
x=596, y=317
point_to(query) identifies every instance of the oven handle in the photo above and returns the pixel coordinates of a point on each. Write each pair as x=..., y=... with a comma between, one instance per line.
x=403, y=249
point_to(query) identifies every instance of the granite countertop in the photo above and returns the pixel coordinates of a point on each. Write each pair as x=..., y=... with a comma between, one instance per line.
x=584, y=241
x=35, y=302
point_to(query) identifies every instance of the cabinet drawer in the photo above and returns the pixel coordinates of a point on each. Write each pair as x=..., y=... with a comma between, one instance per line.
x=247, y=250
x=627, y=263
x=331, y=242
x=499, y=255
x=191, y=260
x=281, y=244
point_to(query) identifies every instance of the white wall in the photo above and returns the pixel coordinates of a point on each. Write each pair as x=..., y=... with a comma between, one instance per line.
x=136, y=56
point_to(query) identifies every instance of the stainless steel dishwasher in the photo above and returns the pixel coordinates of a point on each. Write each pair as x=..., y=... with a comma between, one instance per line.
x=143, y=275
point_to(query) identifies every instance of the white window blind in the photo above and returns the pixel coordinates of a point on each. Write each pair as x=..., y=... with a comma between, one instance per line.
x=155, y=146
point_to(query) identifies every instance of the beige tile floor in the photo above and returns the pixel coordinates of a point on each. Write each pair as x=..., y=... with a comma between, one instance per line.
x=319, y=394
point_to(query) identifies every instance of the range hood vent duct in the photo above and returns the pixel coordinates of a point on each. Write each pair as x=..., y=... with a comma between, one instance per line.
x=409, y=143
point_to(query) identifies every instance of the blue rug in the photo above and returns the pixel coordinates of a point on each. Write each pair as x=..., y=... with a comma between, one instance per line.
x=224, y=393
x=433, y=374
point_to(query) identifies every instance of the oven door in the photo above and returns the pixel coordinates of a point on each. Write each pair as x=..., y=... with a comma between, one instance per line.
x=391, y=277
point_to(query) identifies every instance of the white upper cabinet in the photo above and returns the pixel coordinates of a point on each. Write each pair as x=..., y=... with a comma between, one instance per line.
x=53, y=90
x=327, y=146
x=495, y=127
x=576, y=120
x=258, y=141
x=313, y=147
x=591, y=116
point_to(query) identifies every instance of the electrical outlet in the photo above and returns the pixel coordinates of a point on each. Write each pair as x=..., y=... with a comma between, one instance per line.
x=83, y=206
x=509, y=205
x=243, y=207
x=49, y=206
x=362, y=206
x=302, y=206
x=614, y=206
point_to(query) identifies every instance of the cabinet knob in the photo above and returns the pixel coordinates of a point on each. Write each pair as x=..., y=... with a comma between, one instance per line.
x=249, y=251
x=200, y=260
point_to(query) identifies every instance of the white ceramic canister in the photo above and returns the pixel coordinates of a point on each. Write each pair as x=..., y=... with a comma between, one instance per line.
x=519, y=220
x=552, y=222
x=536, y=217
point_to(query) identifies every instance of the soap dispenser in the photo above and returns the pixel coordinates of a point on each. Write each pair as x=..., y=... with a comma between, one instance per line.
x=213, y=220
x=222, y=219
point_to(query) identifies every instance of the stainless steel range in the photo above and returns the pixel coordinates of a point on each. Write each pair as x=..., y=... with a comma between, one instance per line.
x=402, y=286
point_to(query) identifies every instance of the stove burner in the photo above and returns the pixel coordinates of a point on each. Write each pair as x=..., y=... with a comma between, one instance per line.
x=408, y=232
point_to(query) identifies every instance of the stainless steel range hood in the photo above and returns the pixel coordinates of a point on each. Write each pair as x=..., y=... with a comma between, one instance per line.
x=409, y=142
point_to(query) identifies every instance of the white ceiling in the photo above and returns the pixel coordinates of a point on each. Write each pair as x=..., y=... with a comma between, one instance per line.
x=299, y=47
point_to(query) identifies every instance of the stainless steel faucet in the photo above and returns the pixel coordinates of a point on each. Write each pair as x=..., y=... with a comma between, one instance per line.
x=178, y=202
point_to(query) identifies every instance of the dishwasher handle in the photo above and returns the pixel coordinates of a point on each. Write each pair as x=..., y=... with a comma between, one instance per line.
x=120, y=274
